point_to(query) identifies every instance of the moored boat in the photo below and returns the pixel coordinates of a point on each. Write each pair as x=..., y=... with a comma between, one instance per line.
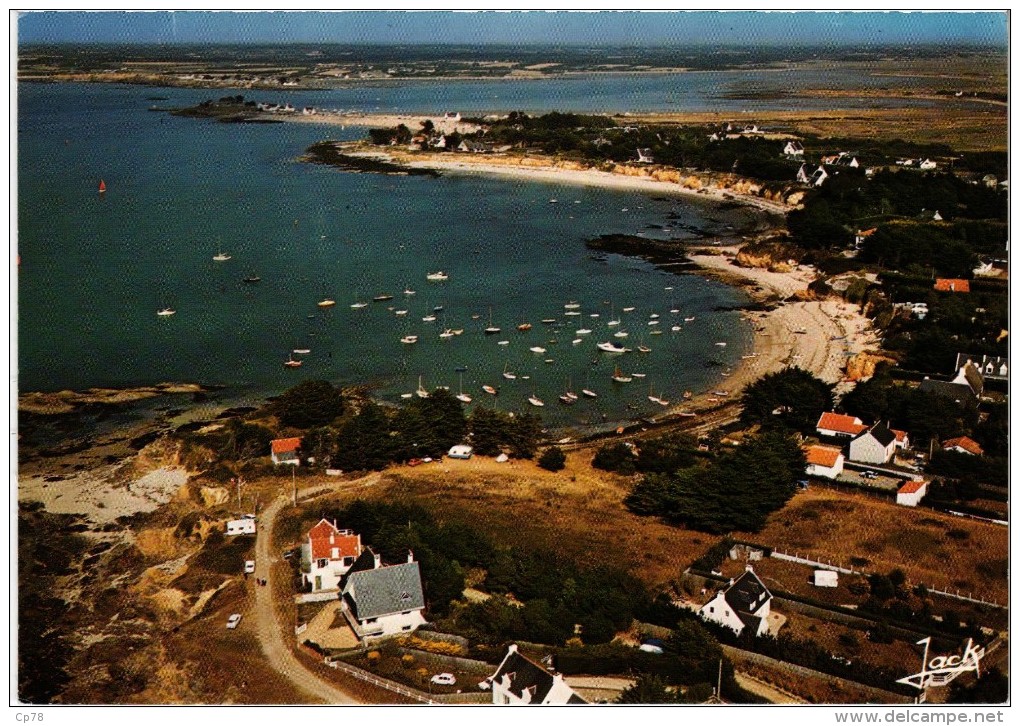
x=618, y=376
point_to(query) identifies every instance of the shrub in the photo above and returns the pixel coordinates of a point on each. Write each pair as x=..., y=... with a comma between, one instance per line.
x=552, y=459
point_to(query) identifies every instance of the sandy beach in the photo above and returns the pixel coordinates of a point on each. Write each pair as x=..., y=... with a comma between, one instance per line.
x=816, y=335
x=625, y=177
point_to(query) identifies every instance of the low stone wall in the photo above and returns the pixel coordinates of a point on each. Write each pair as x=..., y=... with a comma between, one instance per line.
x=436, y=660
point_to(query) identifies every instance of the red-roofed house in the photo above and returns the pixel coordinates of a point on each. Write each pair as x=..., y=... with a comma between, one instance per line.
x=328, y=555
x=823, y=461
x=964, y=445
x=945, y=284
x=285, y=451
x=911, y=493
x=902, y=439
x=836, y=424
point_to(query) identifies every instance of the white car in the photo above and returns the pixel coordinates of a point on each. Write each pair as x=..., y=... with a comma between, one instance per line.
x=249, y=567
x=233, y=620
x=444, y=679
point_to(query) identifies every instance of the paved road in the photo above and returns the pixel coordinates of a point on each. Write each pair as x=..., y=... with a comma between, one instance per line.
x=269, y=630
x=765, y=690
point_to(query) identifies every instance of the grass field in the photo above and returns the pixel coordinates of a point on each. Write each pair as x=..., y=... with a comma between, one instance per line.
x=937, y=549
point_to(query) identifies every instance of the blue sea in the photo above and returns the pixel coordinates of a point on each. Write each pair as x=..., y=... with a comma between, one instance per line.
x=95, y=268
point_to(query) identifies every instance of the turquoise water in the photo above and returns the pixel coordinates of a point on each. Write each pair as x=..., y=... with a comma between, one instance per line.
x=95, y=269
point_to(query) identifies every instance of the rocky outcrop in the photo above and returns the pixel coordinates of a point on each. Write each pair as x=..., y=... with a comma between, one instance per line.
x=771, y=255
x=862, y=366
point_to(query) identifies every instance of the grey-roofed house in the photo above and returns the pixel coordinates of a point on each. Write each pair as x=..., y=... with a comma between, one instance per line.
x=384, y=600
x=961, y=393
x=519, y=680
x=745, y=604
x=874, y=446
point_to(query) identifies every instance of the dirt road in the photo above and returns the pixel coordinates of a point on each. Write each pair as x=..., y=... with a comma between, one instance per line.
x=269, y=629
x=763, y=689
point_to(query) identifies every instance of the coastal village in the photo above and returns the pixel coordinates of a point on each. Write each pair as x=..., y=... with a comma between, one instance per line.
x=792, y=534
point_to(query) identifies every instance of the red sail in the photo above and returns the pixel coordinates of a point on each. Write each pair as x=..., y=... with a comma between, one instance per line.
x=102, y=186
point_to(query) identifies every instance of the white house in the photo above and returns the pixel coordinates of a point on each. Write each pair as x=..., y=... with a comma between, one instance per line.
x=285, y=451
x=826, y=578
x=838, y=425
x=823, y=461
x=328, y=554
x=927, y=164
x=520, y=681
x=746, y=603
x=802, y=175
x=241, y=526
x=911, y=493
x=874, y=446
x=383, y=600
x=902, y=439
x=970, y=375
x=644, y=156
x=793, y=148
x=995, y=367
x=819, y=177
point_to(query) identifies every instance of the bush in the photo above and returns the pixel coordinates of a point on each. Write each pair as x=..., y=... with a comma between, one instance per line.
x=615, y=457
x=553, y=459
x=308, y=404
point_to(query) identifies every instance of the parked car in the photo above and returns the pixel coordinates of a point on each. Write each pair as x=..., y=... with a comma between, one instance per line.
x=249, y=567
x=233, y=620
x=869, y=474
x=444, y=679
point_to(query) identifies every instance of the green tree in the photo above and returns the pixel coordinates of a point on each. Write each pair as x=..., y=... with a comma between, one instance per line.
x=553, y=459
x=792, y=397
x=446, y=416
x=668, y=453
x=308, y=404
x=616, y=457
x=364, y=441
x=245, y=441
x=991, y=687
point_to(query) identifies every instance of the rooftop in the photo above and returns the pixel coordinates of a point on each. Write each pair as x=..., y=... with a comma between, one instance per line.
x=284, y=446
x=822, y=455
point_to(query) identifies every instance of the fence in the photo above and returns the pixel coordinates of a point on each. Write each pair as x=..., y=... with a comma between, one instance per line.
x=320, y=596
x=381, y=682
x=850, y=571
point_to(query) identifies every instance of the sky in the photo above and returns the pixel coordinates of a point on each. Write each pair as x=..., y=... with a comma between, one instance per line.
x=595, y=28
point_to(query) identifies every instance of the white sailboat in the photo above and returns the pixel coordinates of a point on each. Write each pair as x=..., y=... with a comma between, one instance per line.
x=166, y=312
x=492, y=329
x=507, y=374
x=535, y=400
x=618, y=376
x=422, y=392
x=463, y=397
x=221, y=257
x=439, y=276
x=610, y=347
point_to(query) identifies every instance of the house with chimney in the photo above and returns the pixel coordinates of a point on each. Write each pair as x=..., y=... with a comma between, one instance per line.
x=328, y=554
x=380, y=600
x=745, y=603
x=520, y=681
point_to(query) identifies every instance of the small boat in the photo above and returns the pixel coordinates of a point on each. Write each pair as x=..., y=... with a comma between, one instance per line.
x=675, y=328
x=408, y=291
x=406, y=395
x=656, y=399
x=437, y=309
x=524, y=327
x=689, y=320
x=302, y=351
x=535, y=400
x=429, y=319
x=583, y=331
x=437, y=276
x=409, y=339
x=327, y=303
x=749, y=355
x=653, y=322
x=221, y=257
x=656, y=332
x=572, y=305
x=621, y=334
x=291, y=363
x=611, y=348
x=422, y=392
x=675, y=310
x=642, y=348
x=359, y=305
x=576, y=341
x=653, y=316
x=687, y=414
x=102, y=187
x=567, y=400
x=548, y=321
x=668, y=288
x=619, y=377
x=537, y=349
x=507, y=374
x=492, y=329
x=503, y=342
x=400, y=312
x=166, y=312
x=489, y=389
x=460, y=369
x=720, y=393
x=569, y=393
x=382, y=298
x=721, y=344
x=589, y=393
x=252, y=279
x=688, y=395
x=475, y=316
x=613, y=323
x=525, y=378
x=549, y=360
x=594, y=315
x=462, y=397
x=639, y=375
x=553, y=201
x=457, y=331
x=447, y=334
x=572, y=313
x=629, y=310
